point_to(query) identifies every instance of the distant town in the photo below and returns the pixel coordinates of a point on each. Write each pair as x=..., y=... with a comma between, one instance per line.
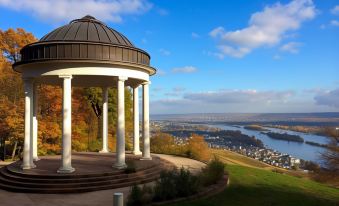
x=233, y=141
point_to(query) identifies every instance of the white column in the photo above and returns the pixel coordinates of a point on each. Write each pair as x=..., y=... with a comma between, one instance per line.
x=146, y=153
x=136, y=147
x=28, y=142
x=104, y=120
x=120, y=146
x=35, y=122
x=66, y=155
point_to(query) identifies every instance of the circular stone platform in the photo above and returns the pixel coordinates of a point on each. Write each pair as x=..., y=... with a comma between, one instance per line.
x=93, y=172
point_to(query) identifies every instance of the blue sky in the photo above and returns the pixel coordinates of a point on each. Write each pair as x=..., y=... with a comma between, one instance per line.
x=216, y=56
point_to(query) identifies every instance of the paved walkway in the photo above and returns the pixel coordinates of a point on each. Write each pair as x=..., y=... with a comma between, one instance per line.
x=102, y=198
x=193, y=165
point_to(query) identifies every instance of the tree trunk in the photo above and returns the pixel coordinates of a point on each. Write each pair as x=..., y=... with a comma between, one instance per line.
x=14, y=149
x=99, y=127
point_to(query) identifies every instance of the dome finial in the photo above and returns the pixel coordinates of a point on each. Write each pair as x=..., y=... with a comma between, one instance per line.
x=88, y=17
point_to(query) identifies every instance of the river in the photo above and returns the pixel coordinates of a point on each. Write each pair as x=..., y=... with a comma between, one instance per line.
x=296, y=149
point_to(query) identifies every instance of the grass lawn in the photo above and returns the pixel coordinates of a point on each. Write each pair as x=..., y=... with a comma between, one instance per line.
x=232, y=158
x=251, y=186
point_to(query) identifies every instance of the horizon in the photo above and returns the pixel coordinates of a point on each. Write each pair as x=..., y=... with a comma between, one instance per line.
x=269, y=57
x=252, y=113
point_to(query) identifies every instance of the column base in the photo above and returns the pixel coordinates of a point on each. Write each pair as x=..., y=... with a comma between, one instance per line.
x=27, y=167
x=120, y=165
x=36, y=159
x=137, y=153
x=63, y=170
x=104, y=151
x=146, y=158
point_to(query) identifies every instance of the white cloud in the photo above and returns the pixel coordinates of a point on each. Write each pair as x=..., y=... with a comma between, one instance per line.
x=217, y=31
x=195, y=35
x=66, y=10
x=266, y=28
x=335, y=10
x=335, y=23
x=233, y=101
x=175, y=92
x=328, y=98
x=219, y=55
x=291, y=47
x=239, y=96
x=186, y=69
x=164, y=52
x=233, y=52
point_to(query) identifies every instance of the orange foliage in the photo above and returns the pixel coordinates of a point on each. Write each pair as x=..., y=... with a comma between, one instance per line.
x=198, y=148
x=11, y=41
x=195, y=147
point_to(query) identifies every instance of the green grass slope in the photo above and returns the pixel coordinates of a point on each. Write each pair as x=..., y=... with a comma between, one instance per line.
x=252, y=186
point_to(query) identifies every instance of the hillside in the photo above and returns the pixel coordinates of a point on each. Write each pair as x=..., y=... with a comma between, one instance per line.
x=234, y=158
x=253, y=183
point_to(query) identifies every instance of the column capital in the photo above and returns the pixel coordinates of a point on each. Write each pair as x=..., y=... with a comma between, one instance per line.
x=65, y=76
x=122, y=78
x=146, y=82
x=136, y=86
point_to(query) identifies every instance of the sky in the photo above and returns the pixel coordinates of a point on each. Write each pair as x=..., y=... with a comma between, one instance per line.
x=216, y=56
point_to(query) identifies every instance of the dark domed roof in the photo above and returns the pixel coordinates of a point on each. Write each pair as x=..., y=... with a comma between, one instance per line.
x=87, y=29
x=85, y=40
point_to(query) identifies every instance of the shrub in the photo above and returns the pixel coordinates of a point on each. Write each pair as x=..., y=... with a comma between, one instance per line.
x=177, y=183
x=186, y=183
x=213, y=172
x=165, y=187
x=135, y=196
x=139, y=196
x=174, y=183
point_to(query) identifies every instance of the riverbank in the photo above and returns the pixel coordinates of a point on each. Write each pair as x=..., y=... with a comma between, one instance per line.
x=296, y=149
x=285, y=137
x=316, y=130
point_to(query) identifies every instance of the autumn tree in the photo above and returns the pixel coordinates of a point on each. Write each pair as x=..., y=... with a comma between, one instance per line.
x=197, y=148
x=11, y=89
x=331, y=156
x=94, y=101
x=11, y=41
x=163, y=143
x=330, y=159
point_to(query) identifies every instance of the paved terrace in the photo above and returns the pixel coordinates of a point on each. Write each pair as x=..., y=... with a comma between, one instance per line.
x=104, y=197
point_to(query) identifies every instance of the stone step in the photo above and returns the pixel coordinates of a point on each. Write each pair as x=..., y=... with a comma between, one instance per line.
x=35, y=181
x=38, y=179
x=12, y=169
x=73, y=190
x=84, y=183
